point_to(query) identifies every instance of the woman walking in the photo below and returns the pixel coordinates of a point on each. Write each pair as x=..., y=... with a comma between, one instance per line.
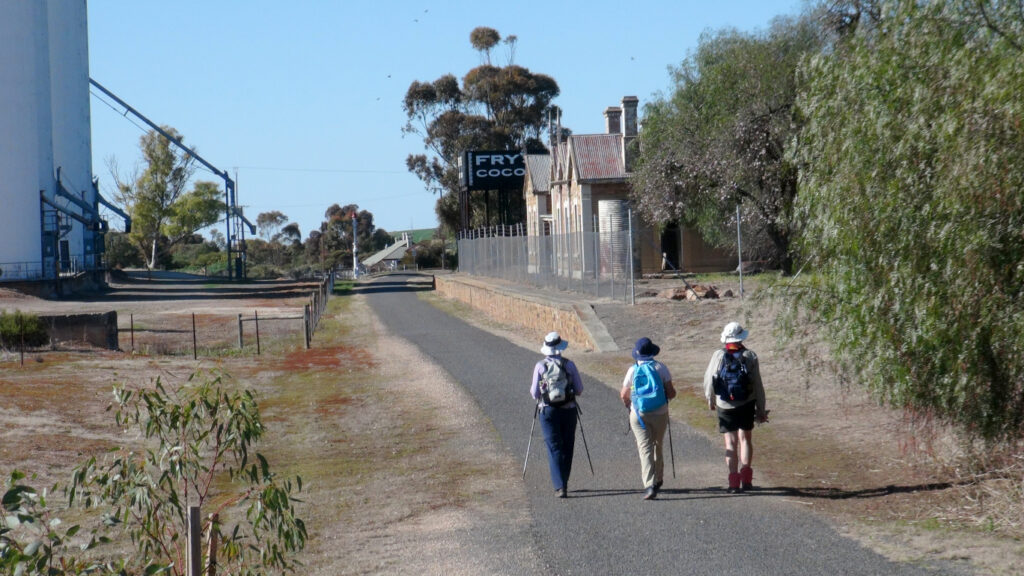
x=556, y=384
x=733, y=387
x=646, y=390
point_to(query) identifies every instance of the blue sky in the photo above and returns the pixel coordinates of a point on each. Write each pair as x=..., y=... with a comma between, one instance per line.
x=303, y=99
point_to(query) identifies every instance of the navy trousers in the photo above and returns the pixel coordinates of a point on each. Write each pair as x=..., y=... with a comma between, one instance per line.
x=559, y=428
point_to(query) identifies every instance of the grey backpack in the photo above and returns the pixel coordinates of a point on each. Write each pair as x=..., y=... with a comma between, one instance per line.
x=554, y=383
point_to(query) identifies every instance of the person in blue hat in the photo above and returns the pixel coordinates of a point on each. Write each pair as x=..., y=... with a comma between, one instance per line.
x=556, y=384
x=646, y=390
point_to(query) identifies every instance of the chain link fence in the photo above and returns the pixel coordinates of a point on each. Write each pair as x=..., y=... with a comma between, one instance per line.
x=604, y=264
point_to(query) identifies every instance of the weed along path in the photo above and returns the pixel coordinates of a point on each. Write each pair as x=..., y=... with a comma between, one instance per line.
x=605, y=527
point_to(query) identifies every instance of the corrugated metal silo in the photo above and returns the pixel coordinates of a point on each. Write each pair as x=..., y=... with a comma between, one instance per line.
x=613, y=221
x=26, y=150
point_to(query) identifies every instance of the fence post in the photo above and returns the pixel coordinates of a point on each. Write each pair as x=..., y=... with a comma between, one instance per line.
x=240, y=343
x=256, y=315
x=131, y=324
x=214, y=543
x=305, y=323
x=632, y=281
x=195, y=349
x=21, y=335
x=739, y=248
x=195, y=535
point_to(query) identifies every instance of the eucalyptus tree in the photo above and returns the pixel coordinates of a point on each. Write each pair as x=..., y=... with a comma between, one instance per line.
x=163, y=211
x=911, y=198
x=722, y=136
x=268, y=223
x=335, y=238
x=495, y=108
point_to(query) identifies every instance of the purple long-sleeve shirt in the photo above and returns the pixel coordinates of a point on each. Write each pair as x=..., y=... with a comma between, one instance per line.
x=570, y=371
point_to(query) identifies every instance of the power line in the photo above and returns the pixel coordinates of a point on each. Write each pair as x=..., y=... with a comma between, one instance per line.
x=333, y=170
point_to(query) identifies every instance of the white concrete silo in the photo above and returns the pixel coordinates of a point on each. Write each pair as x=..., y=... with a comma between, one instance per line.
x=72, y=142
x=26, y=150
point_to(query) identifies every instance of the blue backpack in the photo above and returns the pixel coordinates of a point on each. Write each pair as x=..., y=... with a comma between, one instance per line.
x=648, y=389
x=732, y=383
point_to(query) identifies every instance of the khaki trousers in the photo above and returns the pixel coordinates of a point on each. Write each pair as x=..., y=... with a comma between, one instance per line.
x=649, y=440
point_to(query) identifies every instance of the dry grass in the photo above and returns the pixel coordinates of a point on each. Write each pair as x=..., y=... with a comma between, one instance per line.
x=394, y=465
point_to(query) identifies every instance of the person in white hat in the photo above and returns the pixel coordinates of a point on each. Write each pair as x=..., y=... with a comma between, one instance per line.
x=556, y=384
x=733, y=387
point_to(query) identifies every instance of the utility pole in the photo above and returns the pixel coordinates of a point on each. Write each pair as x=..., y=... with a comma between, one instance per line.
x=355, y=248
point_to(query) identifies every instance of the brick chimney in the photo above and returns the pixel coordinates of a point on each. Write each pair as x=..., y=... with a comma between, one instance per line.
x=612, y=120
x=629, y=130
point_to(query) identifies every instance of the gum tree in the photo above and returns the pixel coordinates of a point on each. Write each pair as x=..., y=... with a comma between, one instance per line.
x=495, y=108
x=163, y=211
x=721, y=139
x=198, y=450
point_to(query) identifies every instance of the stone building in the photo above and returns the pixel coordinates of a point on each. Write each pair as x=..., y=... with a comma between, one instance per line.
x=579, y=196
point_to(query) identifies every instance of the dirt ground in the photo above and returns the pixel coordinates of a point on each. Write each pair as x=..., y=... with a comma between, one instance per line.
x=391, y=473
x=827, y=447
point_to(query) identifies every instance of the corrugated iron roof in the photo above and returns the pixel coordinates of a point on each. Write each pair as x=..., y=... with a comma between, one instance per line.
x=394, y=252
x=538, y=166
x=597, y=156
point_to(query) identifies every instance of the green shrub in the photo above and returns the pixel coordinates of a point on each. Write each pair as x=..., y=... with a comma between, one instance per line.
x=19, y=327
x=912, y=210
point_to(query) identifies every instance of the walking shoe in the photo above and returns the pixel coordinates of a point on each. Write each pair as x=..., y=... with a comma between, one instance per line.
x=734, y=483
x=560, y=493
x=650, y=493
x=746, y=478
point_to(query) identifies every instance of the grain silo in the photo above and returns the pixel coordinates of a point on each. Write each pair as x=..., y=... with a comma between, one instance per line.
x=49, y=221
x=72, y=142
x=26, y=148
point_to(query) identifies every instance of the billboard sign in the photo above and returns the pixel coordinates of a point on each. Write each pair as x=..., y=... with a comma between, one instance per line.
x=492, y=170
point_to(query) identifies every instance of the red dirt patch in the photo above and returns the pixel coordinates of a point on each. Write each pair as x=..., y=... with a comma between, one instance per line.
x=331, y=357
x=331, y=405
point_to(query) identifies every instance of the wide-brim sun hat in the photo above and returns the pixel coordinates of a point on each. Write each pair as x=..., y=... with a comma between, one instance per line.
x=553, y=344
x=733, y=332
x=644, y=350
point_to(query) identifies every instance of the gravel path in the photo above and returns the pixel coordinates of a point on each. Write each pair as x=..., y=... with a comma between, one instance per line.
x=605, y=527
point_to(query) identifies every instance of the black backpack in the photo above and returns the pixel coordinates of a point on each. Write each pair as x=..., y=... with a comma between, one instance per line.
x=732, y=383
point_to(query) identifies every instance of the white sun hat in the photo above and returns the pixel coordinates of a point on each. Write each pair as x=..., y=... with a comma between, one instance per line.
x=553, y=344
x=733, y=332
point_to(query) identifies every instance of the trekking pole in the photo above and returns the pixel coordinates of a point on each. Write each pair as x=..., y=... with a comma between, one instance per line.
x=536, y=409
x=579, y=415
x=671, y=450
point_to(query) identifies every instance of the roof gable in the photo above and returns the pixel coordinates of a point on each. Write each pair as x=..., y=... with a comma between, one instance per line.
x=538, y=172
x=597, y=156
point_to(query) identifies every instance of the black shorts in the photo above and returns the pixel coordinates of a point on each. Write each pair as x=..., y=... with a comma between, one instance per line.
x=733, y=419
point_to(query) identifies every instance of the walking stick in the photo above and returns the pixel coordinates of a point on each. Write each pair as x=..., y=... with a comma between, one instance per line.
x=671, y=450
x=536, y=409
x=579, y=415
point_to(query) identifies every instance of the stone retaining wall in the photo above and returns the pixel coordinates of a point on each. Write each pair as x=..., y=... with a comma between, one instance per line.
x=509, y=307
